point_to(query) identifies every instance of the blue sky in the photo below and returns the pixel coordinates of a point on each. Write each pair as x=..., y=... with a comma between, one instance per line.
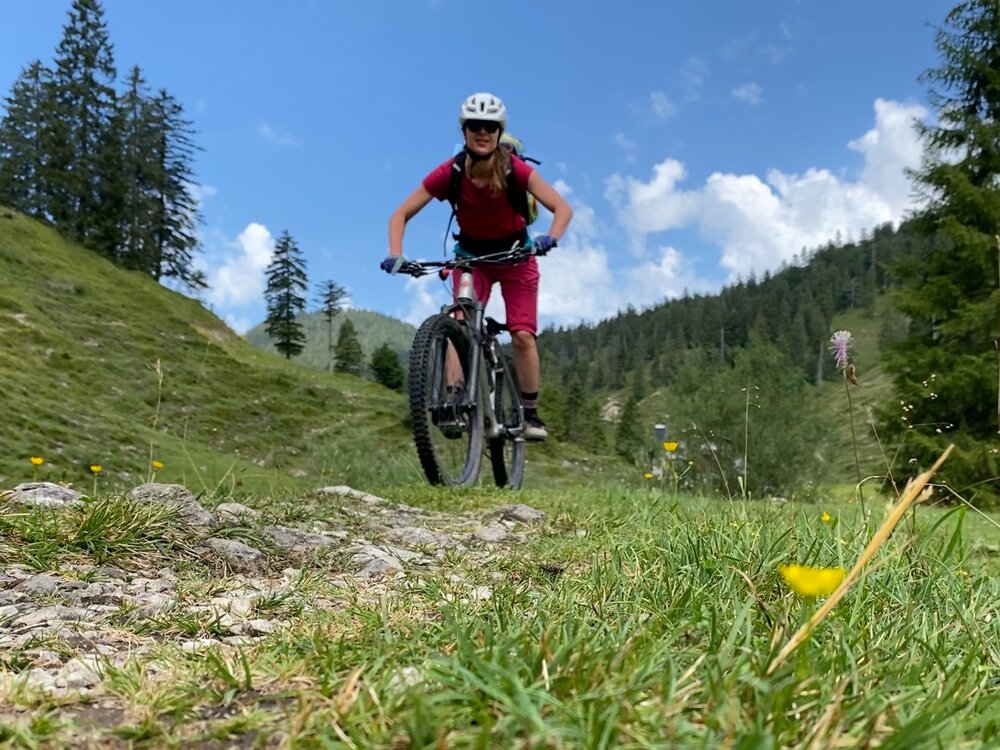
x=698, y=141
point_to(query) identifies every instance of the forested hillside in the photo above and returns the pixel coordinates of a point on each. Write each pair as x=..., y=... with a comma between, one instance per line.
x=741, y=378
x=373, y=330
x=792, y=310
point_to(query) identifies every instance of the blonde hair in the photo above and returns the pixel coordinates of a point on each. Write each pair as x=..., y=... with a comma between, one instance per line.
x=494, y=169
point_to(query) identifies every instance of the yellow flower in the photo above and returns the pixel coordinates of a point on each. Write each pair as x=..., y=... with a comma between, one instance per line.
x=157, y=465
x=96, y=468
x=37, y=460
x=806, y=581
x=671, y=446
x=826, y=517
x=648, y=475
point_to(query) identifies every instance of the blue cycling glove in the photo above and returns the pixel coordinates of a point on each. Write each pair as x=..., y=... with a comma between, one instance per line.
x=543, y=243
x=392, y=263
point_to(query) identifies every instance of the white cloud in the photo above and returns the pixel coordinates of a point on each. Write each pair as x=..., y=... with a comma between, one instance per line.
x=888, y=145
x=693, y=76
x=265, y=131
x=629, y=147
x=663, y=108
x=750, y=93
x=654, y=206
x=236, y=273
x=576, y=283
x=426, y=295
x=758, y=223
x=201, y=193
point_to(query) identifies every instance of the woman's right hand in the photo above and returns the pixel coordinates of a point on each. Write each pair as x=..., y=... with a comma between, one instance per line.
x=392, y=263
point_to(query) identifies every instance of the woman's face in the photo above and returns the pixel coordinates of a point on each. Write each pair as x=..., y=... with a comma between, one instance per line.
x=478, y=136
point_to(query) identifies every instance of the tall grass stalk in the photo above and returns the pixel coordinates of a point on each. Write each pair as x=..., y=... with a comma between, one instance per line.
x=854, y=442
x=156, y=416
x=840, y=347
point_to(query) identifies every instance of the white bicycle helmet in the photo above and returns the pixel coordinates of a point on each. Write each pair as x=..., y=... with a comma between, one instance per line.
x=483, y=106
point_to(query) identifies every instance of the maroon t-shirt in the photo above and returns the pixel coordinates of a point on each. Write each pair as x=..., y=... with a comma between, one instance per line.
x=482, y=214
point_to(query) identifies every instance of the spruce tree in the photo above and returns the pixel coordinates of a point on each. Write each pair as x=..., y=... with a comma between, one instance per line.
x=945, y=371
x=77, y=130
x=140, y=175
x=176, y=216
x=350, y=357
x=331, y=296
x=628, y=434
x=22, y=158
x=386, y=369
x=286, y=285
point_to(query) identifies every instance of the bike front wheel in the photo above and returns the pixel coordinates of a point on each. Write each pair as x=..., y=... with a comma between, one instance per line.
x=447, y=424
x=507, y=449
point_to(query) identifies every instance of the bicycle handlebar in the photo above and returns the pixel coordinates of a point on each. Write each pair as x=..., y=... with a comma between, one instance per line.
x=418, y=268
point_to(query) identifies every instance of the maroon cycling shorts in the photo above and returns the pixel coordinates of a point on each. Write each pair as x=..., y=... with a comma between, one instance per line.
x=519, y=287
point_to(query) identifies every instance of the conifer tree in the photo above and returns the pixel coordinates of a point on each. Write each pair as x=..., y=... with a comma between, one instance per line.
x=286, y=285
x=630, y=439
x=140, y=175
x=386, y=369
x=350, y=357
x=331, y=296
x=177, y=215
x=22, y=157
x=77, y=129
x=946, y=369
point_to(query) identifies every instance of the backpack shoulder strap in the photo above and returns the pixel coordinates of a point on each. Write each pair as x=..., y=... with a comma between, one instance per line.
x=455, y=180
x=518, y=197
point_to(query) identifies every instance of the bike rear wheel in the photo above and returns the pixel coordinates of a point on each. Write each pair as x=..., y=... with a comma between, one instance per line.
x=507, y=450
x=447, y=430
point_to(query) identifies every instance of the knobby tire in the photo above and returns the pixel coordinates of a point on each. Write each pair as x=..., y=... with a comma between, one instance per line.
x=507, y=454
x=450, y=461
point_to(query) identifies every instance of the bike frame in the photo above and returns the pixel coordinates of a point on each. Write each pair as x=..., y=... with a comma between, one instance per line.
x=471, y=312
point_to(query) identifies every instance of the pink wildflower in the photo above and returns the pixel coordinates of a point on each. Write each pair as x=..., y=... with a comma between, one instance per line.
x=840, y=345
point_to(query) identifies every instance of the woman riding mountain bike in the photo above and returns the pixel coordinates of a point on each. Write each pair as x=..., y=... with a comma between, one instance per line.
x=488, y=204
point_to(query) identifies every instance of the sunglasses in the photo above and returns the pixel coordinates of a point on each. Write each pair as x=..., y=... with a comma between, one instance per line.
x=474, y=126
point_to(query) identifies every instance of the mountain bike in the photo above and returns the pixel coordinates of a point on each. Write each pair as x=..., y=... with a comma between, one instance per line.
x=465, y=399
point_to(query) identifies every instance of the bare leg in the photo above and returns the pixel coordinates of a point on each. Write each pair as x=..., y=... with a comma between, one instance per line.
x=453, y=367
x=526, y=361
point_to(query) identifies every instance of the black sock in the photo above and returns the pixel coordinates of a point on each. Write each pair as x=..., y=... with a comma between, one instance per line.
x=530, y=401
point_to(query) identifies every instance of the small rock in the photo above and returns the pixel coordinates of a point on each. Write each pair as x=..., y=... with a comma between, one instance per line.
x=297, y=541
x=199, y=644
x=51, y=616
x=521, y=513
x=491, y=534
x=481, y=593
x=78, y=673
x=44, y=494
x=417, y=536
x=258, y=627
x=242, y=557
x=40, y=585
x=352, y=494
x=176, y=496
x=153, y=604
x=235, y=514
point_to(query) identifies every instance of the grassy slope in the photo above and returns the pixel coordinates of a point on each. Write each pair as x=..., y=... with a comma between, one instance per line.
x=82, y=339
x=79, y=368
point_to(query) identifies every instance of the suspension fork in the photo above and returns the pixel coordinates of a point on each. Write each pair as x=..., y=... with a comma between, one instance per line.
x=470, y=311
